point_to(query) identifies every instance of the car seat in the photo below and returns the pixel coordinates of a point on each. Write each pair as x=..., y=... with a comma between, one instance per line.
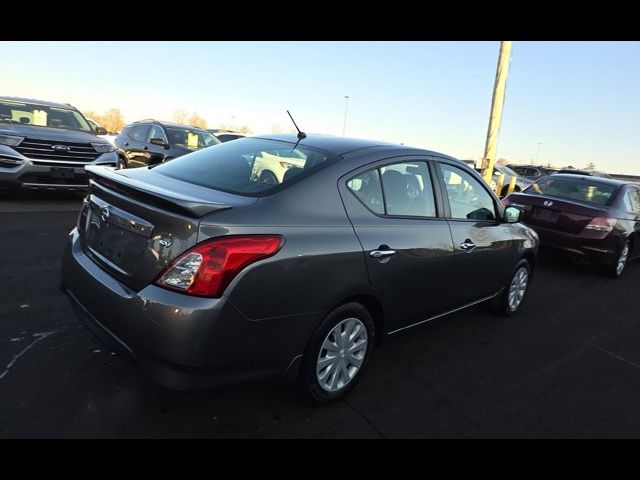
x=395, y=192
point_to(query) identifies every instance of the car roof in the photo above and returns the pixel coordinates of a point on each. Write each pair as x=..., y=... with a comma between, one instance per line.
x=45, y=103
x=590, y=178
x=168, y=124
x=511, y=165
x=342, y=145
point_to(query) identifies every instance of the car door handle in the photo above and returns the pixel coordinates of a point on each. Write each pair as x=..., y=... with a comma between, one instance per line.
x=467, y=245
x=146, y=148
x=381, y=253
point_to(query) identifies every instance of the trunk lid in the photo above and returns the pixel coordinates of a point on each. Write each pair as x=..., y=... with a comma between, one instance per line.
x=134, y=222
x=557, y=214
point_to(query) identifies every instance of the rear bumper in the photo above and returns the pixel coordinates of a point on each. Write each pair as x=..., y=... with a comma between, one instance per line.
x=601, y=250
x=180, y=342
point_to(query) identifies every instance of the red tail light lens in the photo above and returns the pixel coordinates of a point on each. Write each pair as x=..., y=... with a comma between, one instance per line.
x=208, y=268
x=601, y=224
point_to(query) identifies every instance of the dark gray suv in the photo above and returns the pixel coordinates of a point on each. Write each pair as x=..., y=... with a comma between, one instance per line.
x=149, y=142
x=206, y=274
x=46, y=145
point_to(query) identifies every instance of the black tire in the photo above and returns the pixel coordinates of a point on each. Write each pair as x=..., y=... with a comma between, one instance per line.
x=268, y=177
x=501, y=303
x=122, y=162
x=611, y=270
x=308, y=379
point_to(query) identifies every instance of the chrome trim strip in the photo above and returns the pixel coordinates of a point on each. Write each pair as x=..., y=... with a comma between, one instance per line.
x=120, y=218
x=445, y=313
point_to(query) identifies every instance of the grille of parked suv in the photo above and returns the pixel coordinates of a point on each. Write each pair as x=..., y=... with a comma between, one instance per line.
x=43, y=150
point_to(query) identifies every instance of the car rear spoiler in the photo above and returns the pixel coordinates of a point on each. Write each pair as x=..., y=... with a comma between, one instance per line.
x=107, y=178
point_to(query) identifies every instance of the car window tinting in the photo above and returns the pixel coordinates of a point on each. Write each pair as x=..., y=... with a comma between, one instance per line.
x=191, y=138
x=139, y=133
x=246, y=166
x=157, y=132
x=467, y=198
x=408, y=190
x=366, y=186
x=583, y=189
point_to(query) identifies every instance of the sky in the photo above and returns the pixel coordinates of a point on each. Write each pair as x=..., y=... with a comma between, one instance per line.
x=568, y=103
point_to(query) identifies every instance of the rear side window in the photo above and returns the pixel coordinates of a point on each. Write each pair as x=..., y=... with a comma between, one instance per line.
x=246, y=166
x=139, y=133
x=583, y=188
x=407, y=188
x=632, y=200
x=532, y=172
x=366, y=186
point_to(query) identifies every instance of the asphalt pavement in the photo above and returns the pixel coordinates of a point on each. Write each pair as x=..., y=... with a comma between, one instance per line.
x=567, y=366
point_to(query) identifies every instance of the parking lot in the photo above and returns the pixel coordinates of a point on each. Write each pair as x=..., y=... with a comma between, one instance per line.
x=567, y=365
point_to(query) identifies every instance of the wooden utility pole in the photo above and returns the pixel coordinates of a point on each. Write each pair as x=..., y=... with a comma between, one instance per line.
x=496, y=111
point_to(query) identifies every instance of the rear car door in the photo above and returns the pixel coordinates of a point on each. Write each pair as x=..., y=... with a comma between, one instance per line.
x=485, y=251
x=396, y=215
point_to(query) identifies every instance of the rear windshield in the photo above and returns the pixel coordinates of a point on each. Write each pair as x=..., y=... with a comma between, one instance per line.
x=583, y=189
x=247, y=166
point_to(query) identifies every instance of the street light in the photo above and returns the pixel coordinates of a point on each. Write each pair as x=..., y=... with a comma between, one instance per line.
x=346, y=106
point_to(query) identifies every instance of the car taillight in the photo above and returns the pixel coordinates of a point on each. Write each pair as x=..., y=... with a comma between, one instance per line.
x=208, y=268
x=601, y=224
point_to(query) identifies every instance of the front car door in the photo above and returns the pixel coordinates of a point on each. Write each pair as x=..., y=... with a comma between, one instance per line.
x=397, y=216
x=156, y=153
x=137, y=155
x=485, y=251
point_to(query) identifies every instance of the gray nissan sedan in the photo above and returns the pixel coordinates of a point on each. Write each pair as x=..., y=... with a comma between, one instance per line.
x=283, y=256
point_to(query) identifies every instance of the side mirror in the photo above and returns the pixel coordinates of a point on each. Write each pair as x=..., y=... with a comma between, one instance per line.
x=158, y=141
x=512, y=214
x=101, y=131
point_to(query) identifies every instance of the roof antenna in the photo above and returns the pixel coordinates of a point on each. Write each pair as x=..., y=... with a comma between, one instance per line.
x=301, y=134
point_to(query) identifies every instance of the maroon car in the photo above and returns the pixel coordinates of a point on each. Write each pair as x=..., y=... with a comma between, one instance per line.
x=594, y=218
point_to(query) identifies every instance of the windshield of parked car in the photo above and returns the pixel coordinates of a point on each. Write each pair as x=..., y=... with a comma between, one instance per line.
x=24, y=113
x=246, y=166
x=191, y=138
x=583, y=189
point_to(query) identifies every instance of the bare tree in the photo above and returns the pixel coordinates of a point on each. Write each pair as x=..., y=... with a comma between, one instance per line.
x=196, y=121
x=180, y=116
x=591, y=166
x=112, y=119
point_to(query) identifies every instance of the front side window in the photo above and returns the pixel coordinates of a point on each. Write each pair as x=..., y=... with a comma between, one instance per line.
x=24, y=113
x=246, y=166
x=191, y=137
x=157, y=132
x=468, y=199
